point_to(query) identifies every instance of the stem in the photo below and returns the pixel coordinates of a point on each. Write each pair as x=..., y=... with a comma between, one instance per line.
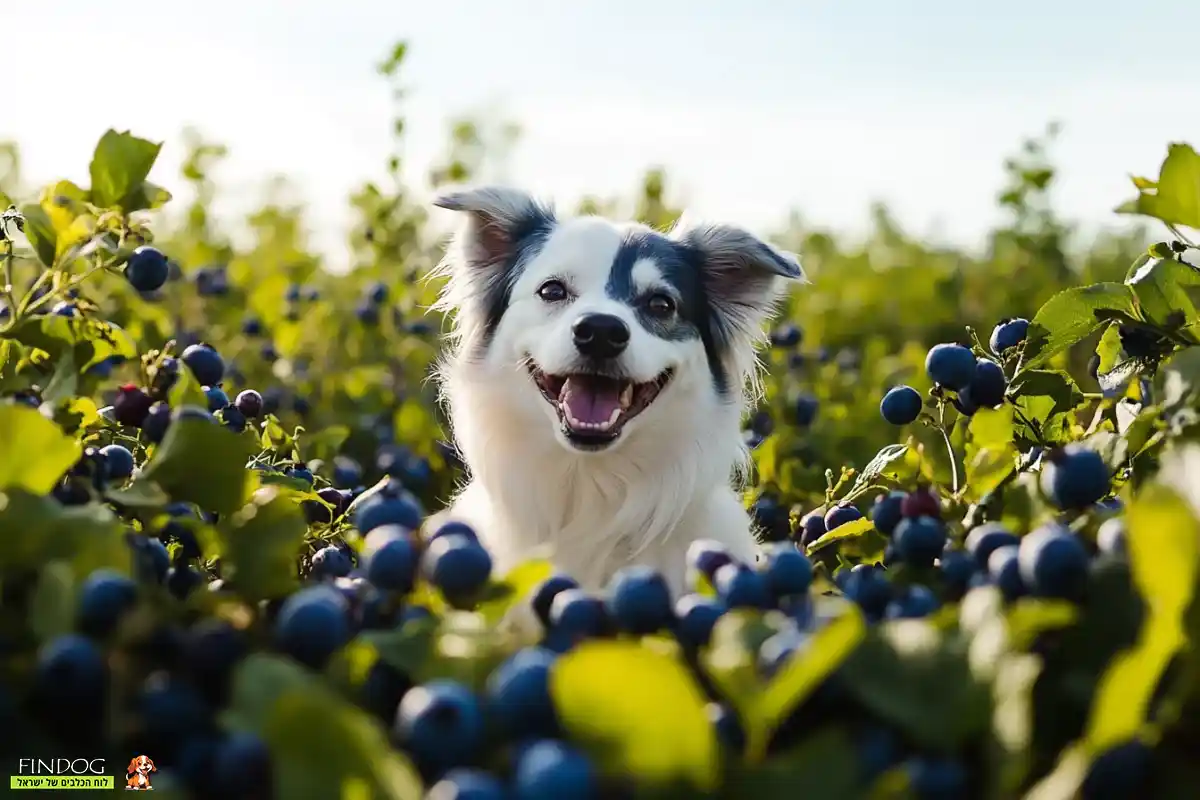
x=9, y=299
x=1179, y=235
x=1036, y=431
x=941, y=426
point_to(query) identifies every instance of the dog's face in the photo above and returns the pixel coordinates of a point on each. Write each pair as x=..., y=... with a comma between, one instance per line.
x=606, y=326
x=141, y=765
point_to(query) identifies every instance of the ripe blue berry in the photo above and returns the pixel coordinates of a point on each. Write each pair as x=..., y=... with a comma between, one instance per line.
x=841, y=514
x=331, y=562
x=917, y=601
x=786, y=336
x=377, y=293
x=118, y=462
x=543, y=597
x=393, y=565
x=812, y=528
x=987, y=388
x=70, y=675
x=703, y=558
x=387, y=509
x=1110, y=538
x=576, y=615
x=346, y=471
x=984, y=540
x=217, y=399
x=697, y=616
x=788, y=571
x=551, y=770
x=901, y=405
x=639, y=600
x=312, y=624
x=147, y=269
x=205, y=363
x=1118, y=773
x=104, y=598
x=250, y=403
x=1053, y=562
x=454, y=527
x=1009, y=333
x=957, y=568
x=771, y=517
x=950, y=365
x=457, y=565
x=805, y=409
x=937, y=778
x=151, y=561
x=1076, y=477
x=517, y=695
x=919, y=540
x=886, y=514
x=739, y=586
x=1004, y=570
x=869, y=588
x=468, y=784
x=441, y=724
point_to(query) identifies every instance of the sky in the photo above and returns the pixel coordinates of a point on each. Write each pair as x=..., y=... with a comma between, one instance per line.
x=756, y=107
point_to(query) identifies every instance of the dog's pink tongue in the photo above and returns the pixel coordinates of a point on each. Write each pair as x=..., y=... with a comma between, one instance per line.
x=591, y=401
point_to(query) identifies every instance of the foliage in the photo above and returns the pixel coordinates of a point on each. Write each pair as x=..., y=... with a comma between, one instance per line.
x=1029, y=697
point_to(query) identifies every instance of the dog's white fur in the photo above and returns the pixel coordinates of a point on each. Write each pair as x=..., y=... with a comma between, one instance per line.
x=668, y=480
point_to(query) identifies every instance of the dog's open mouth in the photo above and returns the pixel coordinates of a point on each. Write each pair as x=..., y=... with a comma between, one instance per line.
x=594, y=408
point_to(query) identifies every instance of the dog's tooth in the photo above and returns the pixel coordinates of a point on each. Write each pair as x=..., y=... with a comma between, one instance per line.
x=626, y=397
x=613, y=417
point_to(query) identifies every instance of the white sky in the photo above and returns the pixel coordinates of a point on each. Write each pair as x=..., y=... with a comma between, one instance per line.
x=755, y=107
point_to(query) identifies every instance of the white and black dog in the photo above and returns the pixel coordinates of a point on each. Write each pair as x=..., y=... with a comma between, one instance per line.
x=596, y=380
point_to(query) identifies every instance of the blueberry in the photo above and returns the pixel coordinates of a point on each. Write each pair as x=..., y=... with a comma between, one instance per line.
x=65, y=309
x=957, y=568
x=377, y=293
x=70, y=676
x=233, y=419
x=1009, y=333
x=441, y=724
x=786, y=336
x=985, y=539
x=131, y=406
x=901, y=405
x=762, y=423
x=346, y=472
x=1076, y=478
x=937, y=779
x=804, y=409
x=788, y=571
x=147, y=268
x=577, y=615
x=330, y=562
x=205, y=363
x=543, y=596
x=552, y=770
x=812, y=528
x=917, y=601
x=217, y=399
x=457, y=565
x=886, y=513
x=1004, y=570
x=192, y=412
x=367, y=314
x=468, y=784
x=840, y=514
x=639, y=600
x=182, y=580
x=118, y=462
x=987, y=388
x=171, y=711
x=1110, y=538
x=301, y=474
x=517, y=695
x=771, y=517
x=150, y=558
x=453, y=528
x=1053, y=562
x=706, y=556
x=292, y=293
x=697, y=615
x=1118, y=773
x=252, y=326
x=242, y=766
x=212, y=649
x=921, y=503
x=384, y=510
x=730, y=732
x=312, y=625
x=919, y=540
x=104, y=598
x=393, y=565
x=739, y=586
x=869, y=588
x=950, y=365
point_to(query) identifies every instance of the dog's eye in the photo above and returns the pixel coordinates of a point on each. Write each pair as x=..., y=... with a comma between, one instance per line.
x=660, y=305
x=552, y=291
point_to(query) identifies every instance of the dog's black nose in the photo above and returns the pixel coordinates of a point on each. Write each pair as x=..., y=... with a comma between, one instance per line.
x=600, y=335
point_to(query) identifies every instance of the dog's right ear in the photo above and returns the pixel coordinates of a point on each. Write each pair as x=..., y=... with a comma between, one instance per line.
x=501, y=221
x=132, y=768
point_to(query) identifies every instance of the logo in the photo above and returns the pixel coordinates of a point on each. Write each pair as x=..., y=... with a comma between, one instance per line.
x=137, y=774
x=61, y=773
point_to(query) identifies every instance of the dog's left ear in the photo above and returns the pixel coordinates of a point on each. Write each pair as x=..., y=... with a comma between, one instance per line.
x=743, y=275
x=501, y=221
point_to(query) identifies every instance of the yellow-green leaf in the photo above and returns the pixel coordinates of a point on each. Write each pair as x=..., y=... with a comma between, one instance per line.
x=34, y=453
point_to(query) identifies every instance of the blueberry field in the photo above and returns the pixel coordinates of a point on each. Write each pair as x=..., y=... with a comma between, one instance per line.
x=977, y=483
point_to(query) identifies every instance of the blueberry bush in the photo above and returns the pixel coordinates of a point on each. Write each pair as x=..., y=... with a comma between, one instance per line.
x=977, y=484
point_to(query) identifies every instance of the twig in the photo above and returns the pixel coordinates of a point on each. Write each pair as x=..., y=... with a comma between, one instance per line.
x=941, y=426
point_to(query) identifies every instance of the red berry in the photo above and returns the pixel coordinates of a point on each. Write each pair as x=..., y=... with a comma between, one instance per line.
x=131, y=406
x=921, y=503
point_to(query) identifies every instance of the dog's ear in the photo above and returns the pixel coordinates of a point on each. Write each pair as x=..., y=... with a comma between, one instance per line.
x=500, y=222
x=743, y=275
x=153, y=768
x=132, y=766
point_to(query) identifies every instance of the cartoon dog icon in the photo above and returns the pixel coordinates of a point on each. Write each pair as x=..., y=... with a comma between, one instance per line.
x=137, y=774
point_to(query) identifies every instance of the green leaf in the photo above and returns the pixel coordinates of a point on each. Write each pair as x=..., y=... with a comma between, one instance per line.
x=1040, y=395
x=64, y=381
x=1070, y=316
x=52, y=607
x=203, y=463
x=877, y=465
x=1108, y=349
x=1159, y=286
x=90, y=340
x=38, y=529
x=321, y=745
x=824, y=767
x=34, y=453
x=990, y=454
x=261, y=542
x=916, y=678
x=186, y=390
x=39, y=230
x=140, y=495
x=119, y=166
x=408, y=649
x=1175, y=197
x=1164, y=551
x=147, y=197
x=858, y=538
x=514, y=588
x=651, y=724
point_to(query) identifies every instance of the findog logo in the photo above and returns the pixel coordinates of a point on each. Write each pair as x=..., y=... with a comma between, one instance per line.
x=137, y=774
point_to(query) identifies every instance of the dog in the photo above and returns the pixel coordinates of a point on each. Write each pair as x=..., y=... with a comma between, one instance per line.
x=595, y=380
x=137, y=774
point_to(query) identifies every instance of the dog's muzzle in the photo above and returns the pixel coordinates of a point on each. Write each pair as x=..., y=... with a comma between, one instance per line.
x=594, y=409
